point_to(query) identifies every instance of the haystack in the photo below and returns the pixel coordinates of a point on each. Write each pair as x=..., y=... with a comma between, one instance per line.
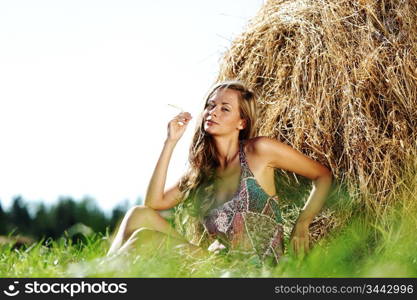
x=337, y=81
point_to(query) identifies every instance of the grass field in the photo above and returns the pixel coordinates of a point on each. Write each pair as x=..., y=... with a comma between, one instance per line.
x=363, y=247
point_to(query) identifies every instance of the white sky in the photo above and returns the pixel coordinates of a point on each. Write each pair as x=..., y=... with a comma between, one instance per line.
x=84, y=87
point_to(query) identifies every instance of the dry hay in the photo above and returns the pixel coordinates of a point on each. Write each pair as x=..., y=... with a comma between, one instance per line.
x=337, y=81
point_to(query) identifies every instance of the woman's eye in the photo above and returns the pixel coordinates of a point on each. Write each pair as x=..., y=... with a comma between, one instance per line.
x=210, y=106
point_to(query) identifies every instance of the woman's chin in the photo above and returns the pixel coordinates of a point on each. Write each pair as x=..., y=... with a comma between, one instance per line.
x=208, y=129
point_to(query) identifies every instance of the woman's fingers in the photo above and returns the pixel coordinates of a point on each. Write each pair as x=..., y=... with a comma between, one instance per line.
x=177, y=125
x=294, y=243
x=184, y=115
x=183, y=118
x=300, y=245
x=306, y=245
x=303, y=246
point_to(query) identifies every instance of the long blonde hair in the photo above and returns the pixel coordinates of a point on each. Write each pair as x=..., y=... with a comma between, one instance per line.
x=197, y=185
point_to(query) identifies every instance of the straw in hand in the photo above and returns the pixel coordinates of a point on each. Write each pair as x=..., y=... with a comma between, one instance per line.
x=176, y=106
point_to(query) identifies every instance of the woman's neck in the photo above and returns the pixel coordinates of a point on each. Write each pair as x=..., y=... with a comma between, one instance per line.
x=227, y=150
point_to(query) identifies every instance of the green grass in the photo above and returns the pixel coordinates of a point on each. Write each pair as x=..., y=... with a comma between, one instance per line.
x=363, y=246
x=361, y=249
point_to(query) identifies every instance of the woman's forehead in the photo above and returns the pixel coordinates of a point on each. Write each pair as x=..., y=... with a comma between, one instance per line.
x=225, y=95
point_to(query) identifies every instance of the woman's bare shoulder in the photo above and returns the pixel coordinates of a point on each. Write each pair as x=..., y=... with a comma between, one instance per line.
x=254, y=155
x=252, y=145
x=253, y=142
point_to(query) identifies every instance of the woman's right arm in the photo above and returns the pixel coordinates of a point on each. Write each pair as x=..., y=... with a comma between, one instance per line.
x=155, y=197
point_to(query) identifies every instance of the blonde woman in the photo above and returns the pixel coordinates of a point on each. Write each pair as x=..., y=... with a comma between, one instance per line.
x=227, y=198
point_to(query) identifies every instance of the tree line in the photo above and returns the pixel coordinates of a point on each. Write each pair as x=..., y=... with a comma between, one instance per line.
x=52, y=221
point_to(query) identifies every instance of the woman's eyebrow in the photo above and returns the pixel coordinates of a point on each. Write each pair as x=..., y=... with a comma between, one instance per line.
x=211, y=101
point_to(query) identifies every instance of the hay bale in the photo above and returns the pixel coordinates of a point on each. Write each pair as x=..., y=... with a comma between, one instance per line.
x=337, y=81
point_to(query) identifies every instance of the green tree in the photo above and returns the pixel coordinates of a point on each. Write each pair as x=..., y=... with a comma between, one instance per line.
x=19, y=216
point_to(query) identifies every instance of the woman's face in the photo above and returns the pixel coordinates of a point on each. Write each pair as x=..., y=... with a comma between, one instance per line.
x=221, y=114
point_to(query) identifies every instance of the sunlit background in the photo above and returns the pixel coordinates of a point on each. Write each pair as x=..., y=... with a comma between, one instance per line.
x=84, y=88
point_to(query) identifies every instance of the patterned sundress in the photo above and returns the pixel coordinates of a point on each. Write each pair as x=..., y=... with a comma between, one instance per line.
x=250, y=223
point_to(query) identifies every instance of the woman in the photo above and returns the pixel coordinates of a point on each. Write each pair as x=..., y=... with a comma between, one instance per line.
x=227, y=198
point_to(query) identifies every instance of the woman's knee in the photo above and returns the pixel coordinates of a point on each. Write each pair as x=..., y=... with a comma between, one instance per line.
x=138, y=216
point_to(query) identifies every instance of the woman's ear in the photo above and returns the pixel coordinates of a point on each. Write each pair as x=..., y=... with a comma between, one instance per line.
x=242, y=124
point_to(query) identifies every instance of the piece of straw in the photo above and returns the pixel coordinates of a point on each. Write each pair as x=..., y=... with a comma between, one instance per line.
x=176, y=106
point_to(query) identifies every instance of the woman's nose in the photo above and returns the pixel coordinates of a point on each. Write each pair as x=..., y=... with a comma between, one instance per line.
x=213, y=111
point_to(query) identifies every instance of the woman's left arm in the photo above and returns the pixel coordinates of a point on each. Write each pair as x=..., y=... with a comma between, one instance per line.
x=282, y=156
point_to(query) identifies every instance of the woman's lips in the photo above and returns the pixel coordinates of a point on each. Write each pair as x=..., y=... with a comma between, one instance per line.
x=209, y=122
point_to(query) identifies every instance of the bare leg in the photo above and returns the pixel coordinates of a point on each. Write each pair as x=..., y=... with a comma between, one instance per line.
x=142, y=217
x=144, y=238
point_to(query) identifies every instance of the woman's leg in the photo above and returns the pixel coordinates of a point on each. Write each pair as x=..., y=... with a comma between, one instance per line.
x=148, y=239
x=138, y=217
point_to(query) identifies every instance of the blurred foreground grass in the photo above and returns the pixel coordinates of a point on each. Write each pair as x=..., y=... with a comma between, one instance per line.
x=362, y=248
x=363, y=245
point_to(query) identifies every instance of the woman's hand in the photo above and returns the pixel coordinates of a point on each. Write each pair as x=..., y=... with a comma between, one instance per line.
x=299, y=239
x=177, y=126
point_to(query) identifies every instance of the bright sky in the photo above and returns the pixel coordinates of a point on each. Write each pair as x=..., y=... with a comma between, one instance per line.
x=84, y=88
